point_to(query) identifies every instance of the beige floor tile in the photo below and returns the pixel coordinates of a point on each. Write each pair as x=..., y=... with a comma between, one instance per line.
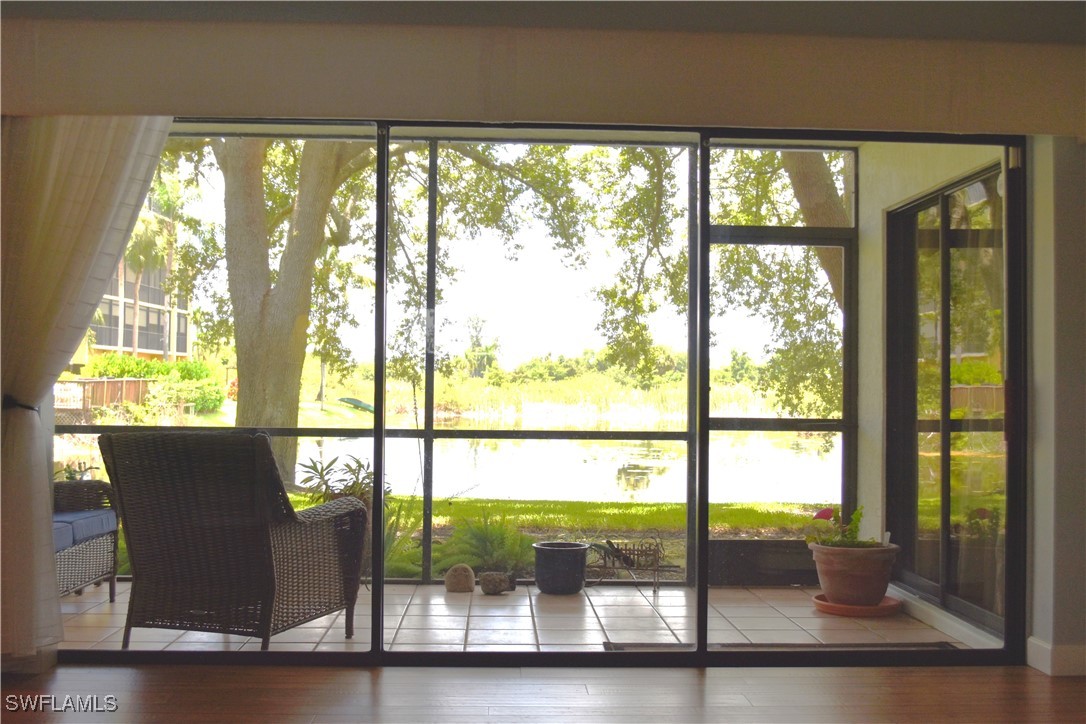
x=808, y=611
x=638, y=624
x=206, y=637
x=640, y=636
x=566, y=622
x=438, y=622
x=500, y=622
x=90, y=634
x=132, y=645
x=727, y=637
x=765, y=611
x=428, y=636
x=165, y=635
x=583, y=637
x=501, y=636
x=281, y=646
x=780, y=637
x=344, y=646
x=426, y=647
x=626, y=611
x=105, y=620
x=899, y=621
x=571, y=647
x=832, y=623
x=501, y=647
x=493, y=610
x=765, y=624
x=436, y=609
x=208, y=646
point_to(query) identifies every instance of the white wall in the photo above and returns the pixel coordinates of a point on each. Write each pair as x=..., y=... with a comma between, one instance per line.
x=1057, y=392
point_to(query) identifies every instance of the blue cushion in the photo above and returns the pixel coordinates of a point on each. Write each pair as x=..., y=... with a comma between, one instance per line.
x=62, y=536
x=87, y=524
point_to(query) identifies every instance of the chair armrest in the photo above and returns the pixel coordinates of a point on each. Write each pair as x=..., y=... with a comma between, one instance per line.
x=73, y=495
x=318, y=560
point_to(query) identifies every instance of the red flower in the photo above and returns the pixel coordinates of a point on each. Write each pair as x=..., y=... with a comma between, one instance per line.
x=824, y=514
x=980, y=514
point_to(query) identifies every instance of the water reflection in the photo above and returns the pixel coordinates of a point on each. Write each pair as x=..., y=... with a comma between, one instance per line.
x=744, y=467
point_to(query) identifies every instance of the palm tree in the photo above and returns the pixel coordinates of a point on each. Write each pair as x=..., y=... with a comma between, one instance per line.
x=144, y=252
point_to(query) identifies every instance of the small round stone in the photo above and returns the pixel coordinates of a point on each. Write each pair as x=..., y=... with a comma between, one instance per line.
x=460, y=579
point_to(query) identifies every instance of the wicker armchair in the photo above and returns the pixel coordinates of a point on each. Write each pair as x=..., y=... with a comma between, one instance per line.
x=84, y=535
x=215, y=544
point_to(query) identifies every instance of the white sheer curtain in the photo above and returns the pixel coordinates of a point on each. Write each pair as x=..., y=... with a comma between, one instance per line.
x=72, y=189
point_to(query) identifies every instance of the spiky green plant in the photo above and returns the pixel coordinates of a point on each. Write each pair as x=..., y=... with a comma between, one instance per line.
x=486, y=544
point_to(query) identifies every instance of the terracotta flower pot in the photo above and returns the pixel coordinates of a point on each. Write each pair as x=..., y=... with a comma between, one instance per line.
x=854, y=576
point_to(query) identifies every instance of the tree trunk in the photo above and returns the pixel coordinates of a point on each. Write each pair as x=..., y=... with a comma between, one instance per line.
x=271, y=321
x=136, y=313
x=816, y=192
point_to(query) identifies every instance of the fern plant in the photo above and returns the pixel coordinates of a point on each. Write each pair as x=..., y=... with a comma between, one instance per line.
x=487, y=544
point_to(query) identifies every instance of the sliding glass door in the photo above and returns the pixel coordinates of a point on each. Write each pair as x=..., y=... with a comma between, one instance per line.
x=946, y=371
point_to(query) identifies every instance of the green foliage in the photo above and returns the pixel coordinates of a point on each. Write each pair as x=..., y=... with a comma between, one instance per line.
x=329, y=480
x=204, y=395
x=486, y=544
x=632, y=198
x=79, y=470
x=975, y=372
x=835, y=533
x=403, y=554
x=123, y=365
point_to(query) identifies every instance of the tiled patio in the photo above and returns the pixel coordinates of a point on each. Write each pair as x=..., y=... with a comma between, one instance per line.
x=427, y=618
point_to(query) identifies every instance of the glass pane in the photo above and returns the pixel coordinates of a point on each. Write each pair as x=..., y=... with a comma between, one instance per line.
x=407, y=279
x=245, y=295
x=491, y=502
x=929, y=311
x=929, y=505
x=782, y=187
x=764, y=489
x=403, y=508
x=976, y=299
x=777, y=331
x=562, y=287
x=978, y=484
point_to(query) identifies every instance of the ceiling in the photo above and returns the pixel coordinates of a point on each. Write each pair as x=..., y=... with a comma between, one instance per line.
x=1037, y=22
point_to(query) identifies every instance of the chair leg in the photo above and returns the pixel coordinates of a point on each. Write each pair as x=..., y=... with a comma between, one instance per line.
x=264, y=643
x=127, y=635
x=112, y=589
x=350, y=620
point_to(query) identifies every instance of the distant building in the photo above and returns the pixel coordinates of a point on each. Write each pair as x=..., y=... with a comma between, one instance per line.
x=163, y=322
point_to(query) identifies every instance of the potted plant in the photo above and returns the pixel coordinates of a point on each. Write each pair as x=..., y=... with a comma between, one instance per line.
x=851, y=571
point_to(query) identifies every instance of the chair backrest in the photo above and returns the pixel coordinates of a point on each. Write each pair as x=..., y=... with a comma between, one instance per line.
x=197, y=507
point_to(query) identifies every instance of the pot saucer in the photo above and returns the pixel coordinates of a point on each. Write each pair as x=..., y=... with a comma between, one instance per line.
x=886, y=607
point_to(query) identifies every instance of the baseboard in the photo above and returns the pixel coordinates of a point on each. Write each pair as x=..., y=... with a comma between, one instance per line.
x=1058, y=660
x=948, y=623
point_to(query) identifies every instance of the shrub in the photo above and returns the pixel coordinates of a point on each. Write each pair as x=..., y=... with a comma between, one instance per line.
x=204, y=395
x=486, y=544
x=123, y=365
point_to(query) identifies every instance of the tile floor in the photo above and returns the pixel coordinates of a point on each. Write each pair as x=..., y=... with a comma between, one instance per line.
x=427, y=618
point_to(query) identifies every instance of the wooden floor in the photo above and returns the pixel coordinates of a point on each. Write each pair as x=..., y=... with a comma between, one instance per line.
x=189, y=693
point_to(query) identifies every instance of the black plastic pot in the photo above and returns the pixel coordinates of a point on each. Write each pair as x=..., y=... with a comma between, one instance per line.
x=559, y=567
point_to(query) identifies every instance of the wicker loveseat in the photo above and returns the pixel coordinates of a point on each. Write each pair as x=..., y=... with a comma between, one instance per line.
x=84, y=535
x=215, y=544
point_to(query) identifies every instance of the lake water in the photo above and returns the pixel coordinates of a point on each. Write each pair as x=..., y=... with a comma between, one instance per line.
x=744, y=467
